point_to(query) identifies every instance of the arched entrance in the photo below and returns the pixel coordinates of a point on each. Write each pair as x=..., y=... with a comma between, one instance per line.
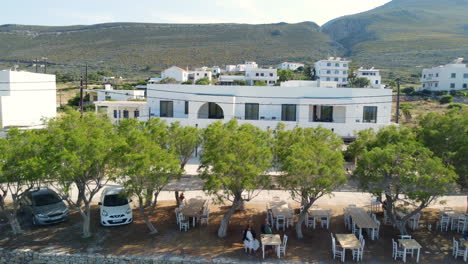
x=210, y=111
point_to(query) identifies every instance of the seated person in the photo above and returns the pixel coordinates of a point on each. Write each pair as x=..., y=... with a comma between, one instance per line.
x=266, y=227
x=249, y=239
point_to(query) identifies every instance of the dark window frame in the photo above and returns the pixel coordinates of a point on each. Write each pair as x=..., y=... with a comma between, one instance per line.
x=252, y=111
x=369, y=116
x=166, y=108
x=289, y=112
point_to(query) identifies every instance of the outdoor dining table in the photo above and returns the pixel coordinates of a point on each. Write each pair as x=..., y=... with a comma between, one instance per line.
x=409, y=244
x=193, y=208
x=362, y=220
x=348, y=241
x=270, y=240
x=280, y=208
x=319, y=213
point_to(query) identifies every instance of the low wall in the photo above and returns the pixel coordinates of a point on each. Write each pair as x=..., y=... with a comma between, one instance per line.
x=23, y=256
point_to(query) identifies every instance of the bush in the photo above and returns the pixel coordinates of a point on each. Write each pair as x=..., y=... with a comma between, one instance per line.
x=203, y=81
x=455, y=106
x=260, y=83
x=408, y=91
x=240, y=82
x=446, y=99
x=440, y=93
x=187, y=82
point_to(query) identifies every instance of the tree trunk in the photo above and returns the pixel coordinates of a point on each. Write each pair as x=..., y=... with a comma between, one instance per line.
x=14, y=223
x=150, y=225
x=79, y=201
x=149, y=193
x=301, y=219
x=177, y=198
x=222, y=231
x=86, y=221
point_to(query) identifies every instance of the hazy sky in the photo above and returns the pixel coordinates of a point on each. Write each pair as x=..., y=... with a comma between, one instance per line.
x=67, y=12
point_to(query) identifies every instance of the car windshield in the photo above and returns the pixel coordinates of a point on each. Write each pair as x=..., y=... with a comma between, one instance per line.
x=46, y=199
x=115, y=200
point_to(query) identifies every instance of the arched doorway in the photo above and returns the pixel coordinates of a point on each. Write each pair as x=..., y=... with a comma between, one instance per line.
x=210, y=111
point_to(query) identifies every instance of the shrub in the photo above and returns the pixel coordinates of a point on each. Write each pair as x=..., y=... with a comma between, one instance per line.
x=408, y=91
x=446, y=99
x=455, y=106
x=440, y=93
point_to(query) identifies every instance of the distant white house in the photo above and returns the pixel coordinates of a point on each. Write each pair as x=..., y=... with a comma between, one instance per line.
x=333, y=69
x=177, y=73
x=111, y=79
x=198, y=74
x=310, y=84
x=108, y=93
x=119, y=110
x=248, y=65
x=373, y=75
x=26, y=98
x=290, y=66
x=251, y=76
x=452, y=76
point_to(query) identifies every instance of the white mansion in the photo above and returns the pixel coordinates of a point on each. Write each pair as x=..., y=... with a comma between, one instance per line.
x=453, y=76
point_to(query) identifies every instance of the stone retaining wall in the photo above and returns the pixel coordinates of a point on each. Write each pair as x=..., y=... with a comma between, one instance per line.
x=23, y=256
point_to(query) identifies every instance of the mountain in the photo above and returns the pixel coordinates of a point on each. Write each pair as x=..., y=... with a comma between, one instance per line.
x=136, y=46
x=404, y=33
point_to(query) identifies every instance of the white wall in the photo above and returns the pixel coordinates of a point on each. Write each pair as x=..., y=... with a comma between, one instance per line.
x=31, y=97
x=177, y=73
x=120, y=95
x=440, y=78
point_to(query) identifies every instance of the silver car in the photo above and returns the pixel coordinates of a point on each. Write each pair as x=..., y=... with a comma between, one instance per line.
x=44, y=206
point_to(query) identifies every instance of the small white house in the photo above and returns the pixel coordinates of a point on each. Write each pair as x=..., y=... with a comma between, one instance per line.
x=108, y=93
x=333, y=69
x=198, y=74
x=119, y=110
x=176, y=73
x=373, y=75
x=290, y=66
x=452, y=76
x=269, y=76
x=26, y=98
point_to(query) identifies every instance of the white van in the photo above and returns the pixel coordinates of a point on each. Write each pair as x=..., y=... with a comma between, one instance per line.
x=115, y=207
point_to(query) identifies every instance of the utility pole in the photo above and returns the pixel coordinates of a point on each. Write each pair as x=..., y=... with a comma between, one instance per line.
x=37, y=61
x=398, y=102
x=81, y=96
x=86, y=76
x=45, y=64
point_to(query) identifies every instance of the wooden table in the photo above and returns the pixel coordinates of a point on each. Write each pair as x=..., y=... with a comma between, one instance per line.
x=409, y=244
x=320, y=213
x=193, y=208
x=362, y=220
x=270, y=240
x=280, y=208
x=348, y=241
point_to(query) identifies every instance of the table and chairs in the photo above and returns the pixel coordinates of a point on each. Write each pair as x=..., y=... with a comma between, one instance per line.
x=453, y=220
x=347, y=242
x=460, y=249
x=197, y=209
x=317, y=213
x=409, y=245
x=358, y=219
x=274, y=240
x=280, y=214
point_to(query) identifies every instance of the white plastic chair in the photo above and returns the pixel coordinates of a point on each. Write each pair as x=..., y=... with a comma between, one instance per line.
x=357, y=253
x=310, y=221
x=396, y=252
x=354, y=229
x=280, y=222
x=184, y=223
x=337, y=250
x=457, y=251
x=443, y=223
x=413, y=222
x=325, y=222
x=282, y=247
x=205, y=218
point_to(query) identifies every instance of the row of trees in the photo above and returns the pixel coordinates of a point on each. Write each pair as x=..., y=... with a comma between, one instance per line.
x=236, y=160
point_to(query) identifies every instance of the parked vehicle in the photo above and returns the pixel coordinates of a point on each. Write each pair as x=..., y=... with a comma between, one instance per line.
x=44, y=206
x=115, y=207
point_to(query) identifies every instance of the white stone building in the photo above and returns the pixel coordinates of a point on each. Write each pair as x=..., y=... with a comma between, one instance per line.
x=373, y=75
x=26, y=98
x=290, y=66
x=119, y=110
x=108, y=93
x=177, y=73
x=452, y=76
x=248, y=65
x=269, y=76
x=198, y=74
x=344, y=110
x=333, y=69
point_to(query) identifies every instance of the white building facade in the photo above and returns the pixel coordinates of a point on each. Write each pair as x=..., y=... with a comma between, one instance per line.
x=290, y=66
x=26, y=98
x=453, y=76
x=198, y=74
x=333, y=69
x=176, y=73
x=343, y=110
x=373, y=75
x=108, y=93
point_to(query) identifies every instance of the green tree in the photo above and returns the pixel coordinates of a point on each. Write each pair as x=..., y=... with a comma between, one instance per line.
x=447, y=136
x=203, y=81
x=408, y=91
x=105, y=73
x=234, y=162
x=82, y=153
x=146, y=167
x=240, y=82
x=168, y=80
x=285, y=75
x=311, y=163
x=405, y=171
x=260, y=83
x=446, y=99
x=360, y=144
x=21, y=168
x=360, y=82
x=183, y=141
x=406, y=111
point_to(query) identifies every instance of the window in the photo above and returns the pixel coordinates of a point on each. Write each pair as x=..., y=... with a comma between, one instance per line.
x=125, y=114
x=337, y=65
x=251, y=111
x=370, y=114
x=215, y=111
x=337, y=72
x=116, y=114
x=376, y=81
x=186, y=107
x=166, y=109
x=437, y=75
x=345, y=72
x=436, y=85
x=345, y=65
x=336, y=79
x=329, y=64
x=206, y=74
x=257, y=74
x=323, y=113
x=452, y=85
x=465, y=75
x=271, y=74
x=136, y=114
x=454, y=75
x=344, y=79
x=328, y=79
x=288, y=112
x=465, y=86
x=262, y=74
x=424, y=76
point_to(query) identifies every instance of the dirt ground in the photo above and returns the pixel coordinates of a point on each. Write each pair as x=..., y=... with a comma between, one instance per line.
x=134, y=239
